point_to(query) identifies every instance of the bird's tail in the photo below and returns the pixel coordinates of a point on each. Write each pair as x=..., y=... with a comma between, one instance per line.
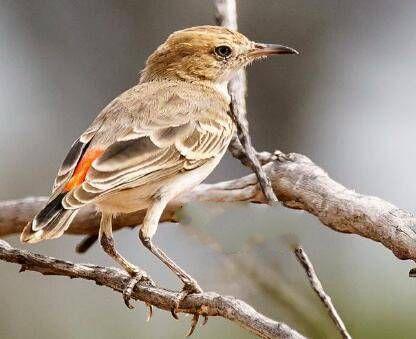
x=51, y=222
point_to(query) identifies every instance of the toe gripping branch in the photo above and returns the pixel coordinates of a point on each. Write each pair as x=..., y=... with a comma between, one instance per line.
x=128, y=290
x=187, y=290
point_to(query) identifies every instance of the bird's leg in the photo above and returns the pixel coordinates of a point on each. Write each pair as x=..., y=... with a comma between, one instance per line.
x=108, y=244
x=190, y=283
x=146, y=233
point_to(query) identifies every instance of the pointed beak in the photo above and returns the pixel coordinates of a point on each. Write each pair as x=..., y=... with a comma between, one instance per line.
x=261, y=50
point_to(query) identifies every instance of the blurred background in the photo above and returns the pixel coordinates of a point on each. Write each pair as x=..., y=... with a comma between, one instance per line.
x=347, y=102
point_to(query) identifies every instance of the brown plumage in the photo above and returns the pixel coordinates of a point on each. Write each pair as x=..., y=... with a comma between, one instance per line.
x=157, y=139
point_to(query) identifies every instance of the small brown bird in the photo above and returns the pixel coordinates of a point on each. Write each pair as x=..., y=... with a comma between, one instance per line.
x=157, y=139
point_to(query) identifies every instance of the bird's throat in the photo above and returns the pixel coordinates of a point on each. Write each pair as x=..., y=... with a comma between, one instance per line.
x=222, y=88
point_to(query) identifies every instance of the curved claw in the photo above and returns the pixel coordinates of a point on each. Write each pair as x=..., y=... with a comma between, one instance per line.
x=178, y=299
x=174, y=313
x=149, y=312
x=194, y=322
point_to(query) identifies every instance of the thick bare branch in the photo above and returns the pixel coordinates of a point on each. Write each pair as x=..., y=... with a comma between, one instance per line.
x=207, y=303
x=296, y=181
x=317, y=287
x=241, y=148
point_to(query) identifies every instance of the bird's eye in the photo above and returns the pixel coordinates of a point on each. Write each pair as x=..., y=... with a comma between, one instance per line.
x=223, y=51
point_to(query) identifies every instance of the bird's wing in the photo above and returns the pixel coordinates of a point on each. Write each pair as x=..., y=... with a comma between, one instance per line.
x=174, y=132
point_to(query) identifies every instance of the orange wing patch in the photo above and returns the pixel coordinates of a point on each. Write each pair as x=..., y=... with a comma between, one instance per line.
x=82, y=168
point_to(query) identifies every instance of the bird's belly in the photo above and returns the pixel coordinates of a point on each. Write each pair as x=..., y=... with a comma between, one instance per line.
x=139, y=198
x=126, y=200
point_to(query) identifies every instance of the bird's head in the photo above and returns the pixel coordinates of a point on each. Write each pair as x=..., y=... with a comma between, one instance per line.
x=206, y=53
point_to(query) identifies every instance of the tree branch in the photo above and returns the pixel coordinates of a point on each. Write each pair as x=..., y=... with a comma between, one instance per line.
x=297, y=182
x=317, y=287
x=207, y=303
x=226, y=16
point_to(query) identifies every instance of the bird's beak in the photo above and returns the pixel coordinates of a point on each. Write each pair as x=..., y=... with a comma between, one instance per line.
x=261, y=50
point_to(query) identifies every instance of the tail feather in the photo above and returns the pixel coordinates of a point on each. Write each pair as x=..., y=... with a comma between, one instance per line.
x=49, y=212
x=51, y=222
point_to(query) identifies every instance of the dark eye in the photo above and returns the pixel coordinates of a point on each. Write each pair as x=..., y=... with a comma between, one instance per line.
x=223, y=51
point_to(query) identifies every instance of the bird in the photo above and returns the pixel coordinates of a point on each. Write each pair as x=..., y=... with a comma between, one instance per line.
x=161, y=137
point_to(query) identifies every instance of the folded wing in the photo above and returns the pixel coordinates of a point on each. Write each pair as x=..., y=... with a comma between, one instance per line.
x=148, y=134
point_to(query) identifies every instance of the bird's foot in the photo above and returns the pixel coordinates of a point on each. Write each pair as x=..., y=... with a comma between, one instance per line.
x=137, y=277
x=190, y=287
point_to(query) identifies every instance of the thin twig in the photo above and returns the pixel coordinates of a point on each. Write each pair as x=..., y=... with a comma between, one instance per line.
x=317, y=287
x=206, y=304
x=251, y=153
x=226, y=15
